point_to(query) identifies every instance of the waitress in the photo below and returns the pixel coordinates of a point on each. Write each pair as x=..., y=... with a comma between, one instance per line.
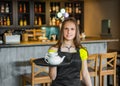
x=69, y=46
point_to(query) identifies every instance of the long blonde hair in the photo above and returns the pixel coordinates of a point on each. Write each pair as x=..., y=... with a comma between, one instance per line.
x=77, y=35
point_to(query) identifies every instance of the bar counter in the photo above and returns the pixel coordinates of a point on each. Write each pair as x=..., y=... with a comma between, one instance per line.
x=39, y=43
x=14, y=58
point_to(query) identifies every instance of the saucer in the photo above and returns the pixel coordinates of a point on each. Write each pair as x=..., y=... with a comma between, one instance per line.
x=41, y=62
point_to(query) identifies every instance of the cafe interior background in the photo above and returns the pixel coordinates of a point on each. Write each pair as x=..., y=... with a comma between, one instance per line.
x=95, y=11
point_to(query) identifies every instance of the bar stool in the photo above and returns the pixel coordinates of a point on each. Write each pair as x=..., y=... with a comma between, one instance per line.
x=39, y=75
x=117, y=66
x=107, y=68
x=92, y=66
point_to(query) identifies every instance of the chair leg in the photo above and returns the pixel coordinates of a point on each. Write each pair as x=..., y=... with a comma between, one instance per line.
x=100, y=78
x=48, y=84
x=32, y=83
x=95, y=81
x=114, y=79
x=43, y=84
x=24, y=81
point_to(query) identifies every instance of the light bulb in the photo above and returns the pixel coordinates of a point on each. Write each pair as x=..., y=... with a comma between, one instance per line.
x=59, y=15
x=66, y=15
x=62, y=10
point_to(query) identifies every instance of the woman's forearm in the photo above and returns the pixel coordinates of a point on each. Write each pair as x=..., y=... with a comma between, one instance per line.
x=85, y=74
x=52, y=72
x=86, y=79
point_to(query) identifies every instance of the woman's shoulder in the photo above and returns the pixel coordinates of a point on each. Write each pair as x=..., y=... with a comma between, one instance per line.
x=83, y=53
x=82, y=48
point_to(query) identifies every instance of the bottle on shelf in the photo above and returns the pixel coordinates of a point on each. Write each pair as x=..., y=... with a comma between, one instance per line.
x=53, y=21
x=8, y=21
x=50, y=23
x=66, y=8
x=76, y=8
x=70, y=8
x=53, y=7
x=78, y=21
x=1, y=21
x=40, y=8
x=20, y=8
x=2, y=8
x=57, y=22
x=25, y=21
x=39, y=21
x=5, y=22
x=24, y=8
x=50, y=10
x=35, y=20
x=57, y=7
x=35, y=8
x=21, y=22
x=79, y=9
x=7, y=8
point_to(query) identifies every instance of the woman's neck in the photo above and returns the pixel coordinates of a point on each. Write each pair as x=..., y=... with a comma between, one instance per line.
x=68, y=43
x=68, y=46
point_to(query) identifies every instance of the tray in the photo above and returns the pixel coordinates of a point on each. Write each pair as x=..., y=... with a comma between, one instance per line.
x=42, y=62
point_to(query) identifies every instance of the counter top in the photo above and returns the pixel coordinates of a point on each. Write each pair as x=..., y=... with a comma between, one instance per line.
x=37, y=43
x=98, y=39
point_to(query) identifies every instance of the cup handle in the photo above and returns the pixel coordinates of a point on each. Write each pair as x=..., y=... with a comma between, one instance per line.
x=46, y=58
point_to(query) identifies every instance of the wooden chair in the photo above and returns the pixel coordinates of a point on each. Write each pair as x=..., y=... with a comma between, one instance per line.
x=92, y=66
x=39, y=75
x=107, y=68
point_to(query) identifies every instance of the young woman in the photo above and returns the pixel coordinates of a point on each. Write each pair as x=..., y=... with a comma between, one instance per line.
x=69, y=46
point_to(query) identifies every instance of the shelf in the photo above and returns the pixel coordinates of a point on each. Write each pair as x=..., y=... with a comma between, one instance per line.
x=39, y=13
x=10, y=13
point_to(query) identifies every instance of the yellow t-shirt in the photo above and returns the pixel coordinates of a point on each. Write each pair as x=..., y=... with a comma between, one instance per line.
x=83, y=53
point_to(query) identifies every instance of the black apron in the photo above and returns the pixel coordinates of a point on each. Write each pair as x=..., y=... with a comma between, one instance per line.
x=69, y=75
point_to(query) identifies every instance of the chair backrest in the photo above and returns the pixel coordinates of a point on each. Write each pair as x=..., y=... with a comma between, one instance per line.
x=36, y=69
x=111, y=61
x=92, y=64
